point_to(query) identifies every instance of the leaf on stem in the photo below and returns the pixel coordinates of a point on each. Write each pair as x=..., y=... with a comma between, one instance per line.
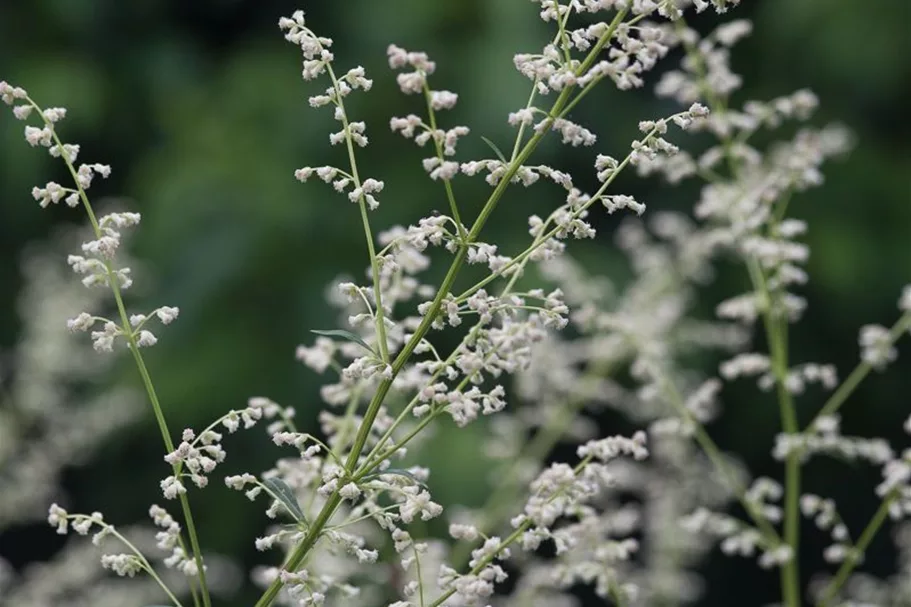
x=495, y=149
x=283, y=493
x=346, y=335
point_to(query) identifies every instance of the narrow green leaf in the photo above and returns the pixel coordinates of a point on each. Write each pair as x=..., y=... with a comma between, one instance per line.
x=346, y=335
x=285, y=495
x=396, y=472
x=495, y=149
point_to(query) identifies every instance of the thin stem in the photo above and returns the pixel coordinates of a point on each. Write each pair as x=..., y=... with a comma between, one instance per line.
x=184, y=501
x=129, y=334
x=776, y=334
x=522, y=528
x=365, y=220
x=447, y=183
x=851, y=561
x=860, y=372
x=775, y=323
x=144, y=562
x=717, y=458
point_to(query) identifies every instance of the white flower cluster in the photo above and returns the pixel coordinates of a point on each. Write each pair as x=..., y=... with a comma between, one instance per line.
x=639, y=48
x=103, y=340
x=199, y=454
x=824, y=437
x=754, y=364
x=314, y=48
x=169, y=540
x=876, y=346
x=895, y=487
x=361, y=192
x=96, y=263
x=412, y=126
x=124, y=565
x=317, y=60
x=826, y=518
x=737, y=538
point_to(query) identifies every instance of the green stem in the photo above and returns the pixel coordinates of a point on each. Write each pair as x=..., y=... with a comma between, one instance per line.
x=776, y=333
x=522, y=528
x=717, y=458
x=365, y=220
x=447, y=184
x=169, y=445
x=144, y=562
x=129, y=334
x=858, y=374
x=775, y=324
x=851, y=561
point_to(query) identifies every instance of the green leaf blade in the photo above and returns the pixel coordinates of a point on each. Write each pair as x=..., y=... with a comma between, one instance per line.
x=345, y=335
x=283, y=493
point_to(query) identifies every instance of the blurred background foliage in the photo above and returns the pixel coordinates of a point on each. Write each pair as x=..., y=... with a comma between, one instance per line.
x=200, y=108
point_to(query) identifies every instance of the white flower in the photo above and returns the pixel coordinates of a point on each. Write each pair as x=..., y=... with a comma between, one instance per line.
x=146, y=339
x=57, y=517
x=83, y=322
x=418, y=502
x=122, y=564
x=167, y=314
x=349, y=491
x=171, y=487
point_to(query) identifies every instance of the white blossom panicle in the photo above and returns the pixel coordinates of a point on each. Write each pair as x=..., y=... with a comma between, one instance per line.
x=198, y=454
x=97, y=261
x=314, y=48
x=824, y=437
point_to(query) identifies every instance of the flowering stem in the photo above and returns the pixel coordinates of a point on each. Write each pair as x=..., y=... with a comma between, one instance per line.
x=362, y=204
x=717, y=458
x=169, y=445
x=129, y=334
x=447, y=183
x=859, y=373
x=522, y=528
x=300, y=552
x=143, y=561
x=776, y=333
x=775, y=324
x=854, y=556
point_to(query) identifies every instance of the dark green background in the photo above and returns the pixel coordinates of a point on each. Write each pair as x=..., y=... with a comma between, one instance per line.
x=200, y=108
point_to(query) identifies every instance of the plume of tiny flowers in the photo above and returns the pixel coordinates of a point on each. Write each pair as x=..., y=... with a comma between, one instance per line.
x=123, y=564
x=412, y=126
x=97, y=262
x=318, y=61
x=98, y=265
x=196, y=456
x=560, y=493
